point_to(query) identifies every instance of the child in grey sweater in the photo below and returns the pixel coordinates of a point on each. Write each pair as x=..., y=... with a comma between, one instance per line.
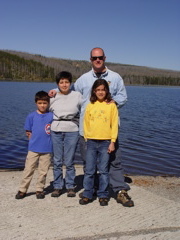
x=65, y=133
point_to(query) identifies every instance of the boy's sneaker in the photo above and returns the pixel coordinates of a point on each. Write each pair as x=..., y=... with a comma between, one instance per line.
x=20, y=195
x=40, y=195
x=71, y=192
x=124, y=199
x=56, y=193
x=103, y=201
x=84, y=201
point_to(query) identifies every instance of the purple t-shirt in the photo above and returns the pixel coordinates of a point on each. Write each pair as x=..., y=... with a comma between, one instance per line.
x=39, y=125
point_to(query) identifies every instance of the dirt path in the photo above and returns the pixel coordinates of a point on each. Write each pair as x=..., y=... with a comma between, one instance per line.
x=156, y=214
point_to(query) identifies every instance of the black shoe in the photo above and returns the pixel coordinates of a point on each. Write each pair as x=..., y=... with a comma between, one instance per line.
x=71, y=192
x=40, y=195
x=103, y=201
x=20, y=195
x=56, y=193
x=84, y=201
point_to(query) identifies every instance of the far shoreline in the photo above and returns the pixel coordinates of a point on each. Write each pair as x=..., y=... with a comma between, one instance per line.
x=133, y=85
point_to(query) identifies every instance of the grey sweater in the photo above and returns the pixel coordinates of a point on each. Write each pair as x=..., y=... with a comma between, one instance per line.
x=65, y=107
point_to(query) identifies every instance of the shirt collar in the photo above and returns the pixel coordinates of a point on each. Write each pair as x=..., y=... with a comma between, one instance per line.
x=102, y=75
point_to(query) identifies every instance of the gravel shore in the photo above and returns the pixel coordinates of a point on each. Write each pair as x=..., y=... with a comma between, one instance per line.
x=156, y=214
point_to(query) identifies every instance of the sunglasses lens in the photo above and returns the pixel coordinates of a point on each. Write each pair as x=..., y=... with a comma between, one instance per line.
x=100, y=58
x=95, y=58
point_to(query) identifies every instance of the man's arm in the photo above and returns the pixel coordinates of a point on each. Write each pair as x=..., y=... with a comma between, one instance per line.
x=52, y=92
x=77, y=86
x=121, y=96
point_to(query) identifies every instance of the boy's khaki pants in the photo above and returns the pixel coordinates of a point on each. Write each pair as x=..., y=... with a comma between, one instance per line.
x=30, y=166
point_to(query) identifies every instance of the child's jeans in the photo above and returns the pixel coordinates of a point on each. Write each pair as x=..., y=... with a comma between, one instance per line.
x=64, y=146
x=30, y=166
x=96, y=156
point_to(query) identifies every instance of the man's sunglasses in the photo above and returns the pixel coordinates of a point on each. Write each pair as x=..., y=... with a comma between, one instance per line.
x=95, y=58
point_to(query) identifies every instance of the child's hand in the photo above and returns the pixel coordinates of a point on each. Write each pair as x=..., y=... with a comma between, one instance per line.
x=52, y=93
x=111, y=147
x=28, y=134
x=112, y=101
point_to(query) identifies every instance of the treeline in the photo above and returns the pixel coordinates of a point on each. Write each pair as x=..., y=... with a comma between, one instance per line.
x=23, y=66
x=13, y=67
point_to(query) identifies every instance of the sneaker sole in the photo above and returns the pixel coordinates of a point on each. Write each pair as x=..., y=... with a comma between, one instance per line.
x=20, y=197
x=71, y=195
x=127, y=204
x=84, y=203
x=40, y=197
x=55, y=195
x=103, y=204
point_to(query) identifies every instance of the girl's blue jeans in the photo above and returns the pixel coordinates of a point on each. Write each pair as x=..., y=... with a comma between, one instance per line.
x=97, y=157
x=64, y=146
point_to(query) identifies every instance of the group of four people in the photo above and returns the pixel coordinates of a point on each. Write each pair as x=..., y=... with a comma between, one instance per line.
x=97, y=96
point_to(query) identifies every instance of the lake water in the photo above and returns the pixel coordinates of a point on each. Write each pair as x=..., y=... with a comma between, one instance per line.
x=150, y=127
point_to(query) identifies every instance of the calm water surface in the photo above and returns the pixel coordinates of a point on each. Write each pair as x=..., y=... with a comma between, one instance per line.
x=150, y=131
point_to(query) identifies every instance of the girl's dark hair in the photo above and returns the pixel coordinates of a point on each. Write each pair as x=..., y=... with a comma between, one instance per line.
x=41, y=95
x=96, y=84
x=63, y=75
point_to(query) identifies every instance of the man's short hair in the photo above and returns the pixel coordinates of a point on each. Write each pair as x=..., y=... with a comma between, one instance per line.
x=97, y=48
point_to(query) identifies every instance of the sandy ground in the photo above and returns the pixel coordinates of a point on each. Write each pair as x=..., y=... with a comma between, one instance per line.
x=156, y=214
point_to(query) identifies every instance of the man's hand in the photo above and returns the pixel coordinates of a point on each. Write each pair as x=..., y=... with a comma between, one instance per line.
x=52, y=93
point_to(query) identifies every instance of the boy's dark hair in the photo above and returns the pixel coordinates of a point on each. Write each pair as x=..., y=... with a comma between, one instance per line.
x=96, y=84
x=41, y=95
x=63, y=75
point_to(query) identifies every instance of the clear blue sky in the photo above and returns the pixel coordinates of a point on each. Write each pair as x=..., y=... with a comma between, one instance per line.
x=138, y=32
